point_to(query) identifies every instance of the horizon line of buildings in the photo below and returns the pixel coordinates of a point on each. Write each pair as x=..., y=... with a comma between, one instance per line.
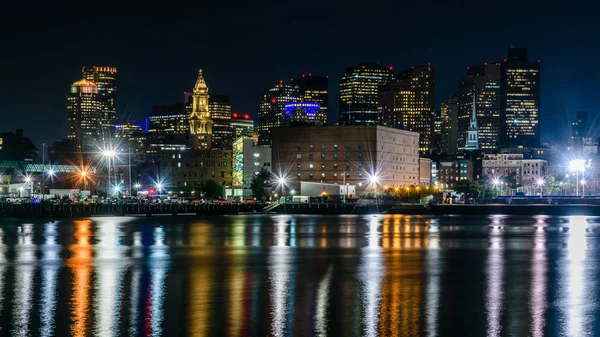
x=497, y=105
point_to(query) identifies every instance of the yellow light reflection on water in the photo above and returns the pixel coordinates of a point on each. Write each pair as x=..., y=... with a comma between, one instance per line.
x=80, y=263
x=200, y=276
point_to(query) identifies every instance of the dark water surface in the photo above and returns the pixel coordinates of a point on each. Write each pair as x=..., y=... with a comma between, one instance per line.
x=301, y=275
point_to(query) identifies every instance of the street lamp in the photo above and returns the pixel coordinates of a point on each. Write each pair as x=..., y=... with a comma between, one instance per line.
x=577, y=165
x=540, y=183
x=496, y=183
x=109, y=154
x=159, y=187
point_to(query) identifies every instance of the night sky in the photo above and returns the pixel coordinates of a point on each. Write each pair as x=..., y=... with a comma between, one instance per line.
x=246, y=48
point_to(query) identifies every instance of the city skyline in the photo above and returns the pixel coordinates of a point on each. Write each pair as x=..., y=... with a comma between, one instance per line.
x=147, y=78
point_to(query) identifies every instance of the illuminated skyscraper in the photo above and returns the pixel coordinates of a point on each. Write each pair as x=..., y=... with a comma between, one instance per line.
x=580, y=129
x=359, y=92
x=521, y=103
x=241, y=125
x=105, y=78
x=315, y=89
x=83, y=113
x=220, y=112
x=483, y=82
x=409, y=103
x=449, y=117
x=271, y=111
x=200, y=120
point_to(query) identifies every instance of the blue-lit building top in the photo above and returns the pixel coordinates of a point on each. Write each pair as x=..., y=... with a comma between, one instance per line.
x=304, y=112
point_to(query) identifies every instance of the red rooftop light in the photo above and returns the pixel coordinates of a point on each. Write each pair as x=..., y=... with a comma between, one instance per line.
x=273, y=100
x=235, y=115
x=391, y=68
x=246, y=116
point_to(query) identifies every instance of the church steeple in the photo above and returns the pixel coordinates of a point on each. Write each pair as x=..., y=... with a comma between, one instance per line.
x=472, y=143
x=200, y=118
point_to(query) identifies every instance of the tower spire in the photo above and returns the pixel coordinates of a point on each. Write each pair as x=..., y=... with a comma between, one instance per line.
x=200, y=118
x=472, y=143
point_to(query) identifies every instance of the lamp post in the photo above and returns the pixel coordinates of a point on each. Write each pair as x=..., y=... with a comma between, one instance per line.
x=583, y=187
x=49, y=175
x=577, y=166
x=30, y=185
x=540, y=183
x=84, y=177
x=109, y=155
x=496, y=183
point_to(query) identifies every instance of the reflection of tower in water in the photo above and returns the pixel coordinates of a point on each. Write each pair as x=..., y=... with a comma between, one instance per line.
x=402, y=286
x=200, y=285
x=109, y=270
x=24, y=270
x=50, y=267
x=539, y=280
x=80, y=264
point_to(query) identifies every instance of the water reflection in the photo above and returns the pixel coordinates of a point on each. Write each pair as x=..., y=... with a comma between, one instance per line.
x=283, y=275
x=24, y=273
x=80, y=263
x=159, y=265
x=495, y=282
x=577, y=304
x=539, y=279
x=50, y=267
x=370, y=275
x=3, y=268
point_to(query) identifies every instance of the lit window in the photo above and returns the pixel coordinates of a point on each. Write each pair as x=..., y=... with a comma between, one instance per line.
x=310, y=165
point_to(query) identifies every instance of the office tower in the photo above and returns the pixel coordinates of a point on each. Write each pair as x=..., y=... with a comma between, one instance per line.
x=200, y=120
x=271, y=111
x=449, y=117
x=483, y=83
x=521, y=101
x=359, y=92
x=580, y=128
x=409, y=103
x=220, y=112
x=241, y=125
x=168, y=119
x=105, y=78
x=315, y=89
x=84, y=117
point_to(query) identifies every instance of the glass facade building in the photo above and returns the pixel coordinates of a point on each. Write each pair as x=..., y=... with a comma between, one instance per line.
x=359, y=93
x=220, y=111
x=105, y=78
x=315, y=89
x=409, y=104
x=521, y=104
x=271, y=112
x=83, y=113
x=483, y=82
